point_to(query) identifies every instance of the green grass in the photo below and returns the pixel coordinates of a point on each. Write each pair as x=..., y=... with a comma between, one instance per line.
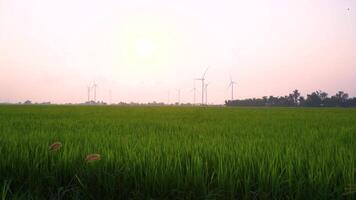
x=177, y=153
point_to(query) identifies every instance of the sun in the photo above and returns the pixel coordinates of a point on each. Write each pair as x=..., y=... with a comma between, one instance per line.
x=144, y=48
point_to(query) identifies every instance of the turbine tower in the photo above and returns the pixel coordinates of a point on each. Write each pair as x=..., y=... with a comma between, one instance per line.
x=206, y=93
x=202, y=85
x=232, y=83
x=88, y=92
x=95, y=86
x=178, y=90
x=194, y=90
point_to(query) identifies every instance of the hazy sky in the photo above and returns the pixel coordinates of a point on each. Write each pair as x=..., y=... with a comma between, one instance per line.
x=143, y=50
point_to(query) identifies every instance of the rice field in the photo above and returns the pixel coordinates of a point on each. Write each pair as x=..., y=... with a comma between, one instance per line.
x=104, y=152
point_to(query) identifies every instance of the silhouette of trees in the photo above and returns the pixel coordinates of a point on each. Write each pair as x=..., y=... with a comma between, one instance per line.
x=27, y=102
x=295, y=96
x=315, y=99
x=294, y=99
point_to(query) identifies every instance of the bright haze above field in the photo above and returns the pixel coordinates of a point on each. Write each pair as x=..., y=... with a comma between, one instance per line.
x=143, y=50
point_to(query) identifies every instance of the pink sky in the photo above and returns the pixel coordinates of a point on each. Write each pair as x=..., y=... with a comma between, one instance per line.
x=51, y=50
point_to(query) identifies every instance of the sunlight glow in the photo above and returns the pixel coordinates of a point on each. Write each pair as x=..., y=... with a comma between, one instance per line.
x=145, y=48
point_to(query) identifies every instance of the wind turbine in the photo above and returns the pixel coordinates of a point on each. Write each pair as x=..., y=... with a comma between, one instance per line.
x=194, y=90
x=178, y=90
x=202, y=85
x=206, y=93
x=95, y=86
x=88, y=92
x=231, y=84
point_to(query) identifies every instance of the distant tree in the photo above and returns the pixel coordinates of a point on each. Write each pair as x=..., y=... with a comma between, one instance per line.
x=342, y=96
x=315, y=99
x=340, y=99
x=27, y=102
x=272, y=100
x=265, y=100
x=295, y=96
x=352, y=102
x=322, y=95
x=301, y=101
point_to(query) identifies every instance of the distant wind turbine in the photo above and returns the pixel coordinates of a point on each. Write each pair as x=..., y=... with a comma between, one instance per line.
x=202, y=85
x=95, y=86
x=206, y=93
x=231, y=84
x=88, y=92
x=178, y=90
x=194, y=90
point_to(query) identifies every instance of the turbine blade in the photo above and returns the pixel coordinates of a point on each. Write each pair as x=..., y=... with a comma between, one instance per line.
x=205, y=72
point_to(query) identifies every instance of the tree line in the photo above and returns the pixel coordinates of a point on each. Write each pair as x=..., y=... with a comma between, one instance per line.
x=294, y=99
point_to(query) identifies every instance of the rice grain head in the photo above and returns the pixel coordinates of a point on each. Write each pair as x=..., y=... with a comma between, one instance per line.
x=56, y=146
x=92, y=157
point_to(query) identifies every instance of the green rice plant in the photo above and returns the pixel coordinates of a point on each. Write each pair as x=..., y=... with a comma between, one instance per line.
x=177, y=152
x=5, y=190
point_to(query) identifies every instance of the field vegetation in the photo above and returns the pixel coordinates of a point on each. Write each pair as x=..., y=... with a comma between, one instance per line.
x=177, y=152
